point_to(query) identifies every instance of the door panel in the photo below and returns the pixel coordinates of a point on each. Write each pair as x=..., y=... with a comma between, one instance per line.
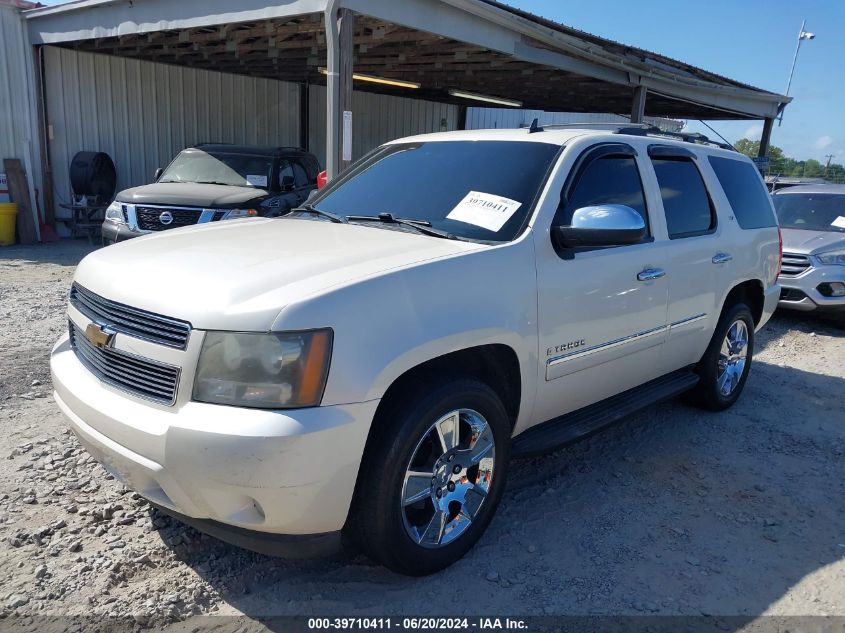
x=601, y=312
x=694, y=240
x=600, y=327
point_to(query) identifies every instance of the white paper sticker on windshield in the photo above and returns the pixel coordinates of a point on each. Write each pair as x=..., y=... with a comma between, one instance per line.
x=839, y=222
x=256, y=181
x=484, y=210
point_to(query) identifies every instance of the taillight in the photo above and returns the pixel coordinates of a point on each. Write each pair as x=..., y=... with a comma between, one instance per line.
x=780, y=251
x=322, y=179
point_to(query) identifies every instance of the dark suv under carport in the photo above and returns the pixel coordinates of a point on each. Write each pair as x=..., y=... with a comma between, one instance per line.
x=212, y=182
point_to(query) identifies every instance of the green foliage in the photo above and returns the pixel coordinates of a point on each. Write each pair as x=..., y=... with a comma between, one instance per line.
x=782, y=165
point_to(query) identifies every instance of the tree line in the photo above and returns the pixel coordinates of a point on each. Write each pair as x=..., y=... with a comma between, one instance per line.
x=782, y=165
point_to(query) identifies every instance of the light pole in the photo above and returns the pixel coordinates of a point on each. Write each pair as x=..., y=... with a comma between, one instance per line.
x=802, y=35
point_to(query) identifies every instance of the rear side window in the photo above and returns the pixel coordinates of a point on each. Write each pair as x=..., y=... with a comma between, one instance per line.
x=685, y=200
x=609, y=180
x=751, y=204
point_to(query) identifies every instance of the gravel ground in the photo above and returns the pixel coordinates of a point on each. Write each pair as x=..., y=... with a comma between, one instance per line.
x=676, y=511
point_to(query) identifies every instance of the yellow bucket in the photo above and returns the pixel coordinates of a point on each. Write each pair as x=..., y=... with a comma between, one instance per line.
x=8, y=215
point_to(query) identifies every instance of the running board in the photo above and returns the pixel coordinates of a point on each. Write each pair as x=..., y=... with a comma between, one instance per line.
x=559, y=432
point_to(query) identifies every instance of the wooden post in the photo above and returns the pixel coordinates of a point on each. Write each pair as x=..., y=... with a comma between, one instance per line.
x=19, y=193
x=638, y=107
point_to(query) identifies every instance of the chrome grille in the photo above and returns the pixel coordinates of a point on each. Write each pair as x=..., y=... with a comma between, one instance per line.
x=150, y=218
x=139, y=376
x=794, y=264
x=131, y=321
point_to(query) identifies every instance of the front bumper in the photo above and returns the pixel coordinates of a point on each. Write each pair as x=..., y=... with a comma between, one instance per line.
x=114, y=232
x=801, y=292
x=273, y=472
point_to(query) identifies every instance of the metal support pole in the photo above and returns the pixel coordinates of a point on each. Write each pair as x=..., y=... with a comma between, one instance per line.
x=638, y=107
x=766, y=137
x=462, y=117
x=346, y=22
x=332, y=90
x=792, y=68
x=304, y=123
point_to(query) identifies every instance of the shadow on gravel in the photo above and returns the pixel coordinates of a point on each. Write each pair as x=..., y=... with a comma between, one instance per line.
x=65, y=252
x=676, y=511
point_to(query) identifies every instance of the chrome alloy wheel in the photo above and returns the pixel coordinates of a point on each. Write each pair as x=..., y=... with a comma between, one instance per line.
x=732, y=358
x=448, y=478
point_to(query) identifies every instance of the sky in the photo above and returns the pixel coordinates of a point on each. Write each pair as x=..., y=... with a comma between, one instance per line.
x=752, y=41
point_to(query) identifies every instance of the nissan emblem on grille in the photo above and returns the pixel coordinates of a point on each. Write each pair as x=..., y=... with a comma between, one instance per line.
x=165, y=218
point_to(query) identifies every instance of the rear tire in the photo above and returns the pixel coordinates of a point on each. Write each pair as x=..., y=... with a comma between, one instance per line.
x=725, y=365
x=417, y=524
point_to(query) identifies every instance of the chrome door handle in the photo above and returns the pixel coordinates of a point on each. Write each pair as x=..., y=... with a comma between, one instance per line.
x=650, y=274
x=722, y=258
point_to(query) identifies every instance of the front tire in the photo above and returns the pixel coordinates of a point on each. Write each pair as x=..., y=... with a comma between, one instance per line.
x=725, y=365
x=431, y=477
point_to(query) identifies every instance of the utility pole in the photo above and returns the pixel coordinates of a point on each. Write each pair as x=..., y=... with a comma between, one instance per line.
x=802, y=35
x=829, y=158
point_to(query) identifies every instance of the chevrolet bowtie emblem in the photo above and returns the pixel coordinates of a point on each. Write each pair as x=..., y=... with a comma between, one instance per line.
x=99, y=335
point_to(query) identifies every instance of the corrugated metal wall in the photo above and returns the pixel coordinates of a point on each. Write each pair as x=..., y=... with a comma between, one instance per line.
x=18, y=121
x=142, y=113
x=377, y=119
x=485, y=118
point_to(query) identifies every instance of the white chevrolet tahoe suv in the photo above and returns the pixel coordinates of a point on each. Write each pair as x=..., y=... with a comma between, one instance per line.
x=368, y=365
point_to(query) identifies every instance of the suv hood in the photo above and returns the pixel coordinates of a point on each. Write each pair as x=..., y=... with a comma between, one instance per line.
x=239, y=274
x=190, y=194
x=804, y=242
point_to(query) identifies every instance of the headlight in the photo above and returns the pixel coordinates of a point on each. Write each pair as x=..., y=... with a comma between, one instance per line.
x=240, y=213
x=267, y=371
x=114, y=212
x=833, y=257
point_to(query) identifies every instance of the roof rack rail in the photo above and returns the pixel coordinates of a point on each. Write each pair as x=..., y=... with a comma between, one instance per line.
x=640, y=129
x=597, y=125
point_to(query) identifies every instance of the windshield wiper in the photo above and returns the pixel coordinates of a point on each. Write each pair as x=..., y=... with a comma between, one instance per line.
x=421, y=226
x=310, y=208
x=212, y=182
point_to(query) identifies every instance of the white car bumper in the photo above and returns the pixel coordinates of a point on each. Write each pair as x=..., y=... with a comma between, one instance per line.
x=801, y=292
x=279, y=472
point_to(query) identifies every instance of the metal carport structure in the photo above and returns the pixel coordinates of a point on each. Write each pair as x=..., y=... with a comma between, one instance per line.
x=431, y=47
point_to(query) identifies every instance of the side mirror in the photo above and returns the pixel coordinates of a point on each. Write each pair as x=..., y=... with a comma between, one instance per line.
x=287, y=183
x=601, y=225
x=157, y=175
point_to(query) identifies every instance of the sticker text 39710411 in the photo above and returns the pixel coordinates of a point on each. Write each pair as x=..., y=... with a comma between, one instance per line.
x=485, y=210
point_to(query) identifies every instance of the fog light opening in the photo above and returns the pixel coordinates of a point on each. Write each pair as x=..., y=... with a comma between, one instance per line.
x=832, y=289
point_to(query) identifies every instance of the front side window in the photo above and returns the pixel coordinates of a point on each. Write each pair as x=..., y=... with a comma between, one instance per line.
x=301, y=178
x=286, y=171
x=219, y=168
x=811, y=211
x=745, y=191
x=606, y=180
x=481, y=190
x=685, y=199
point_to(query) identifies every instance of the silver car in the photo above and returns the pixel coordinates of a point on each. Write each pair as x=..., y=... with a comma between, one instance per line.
x=812, y=220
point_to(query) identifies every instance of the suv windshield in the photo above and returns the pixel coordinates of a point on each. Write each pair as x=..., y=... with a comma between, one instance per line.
x=811, y=211
x=244, y=170
x=473, y=189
